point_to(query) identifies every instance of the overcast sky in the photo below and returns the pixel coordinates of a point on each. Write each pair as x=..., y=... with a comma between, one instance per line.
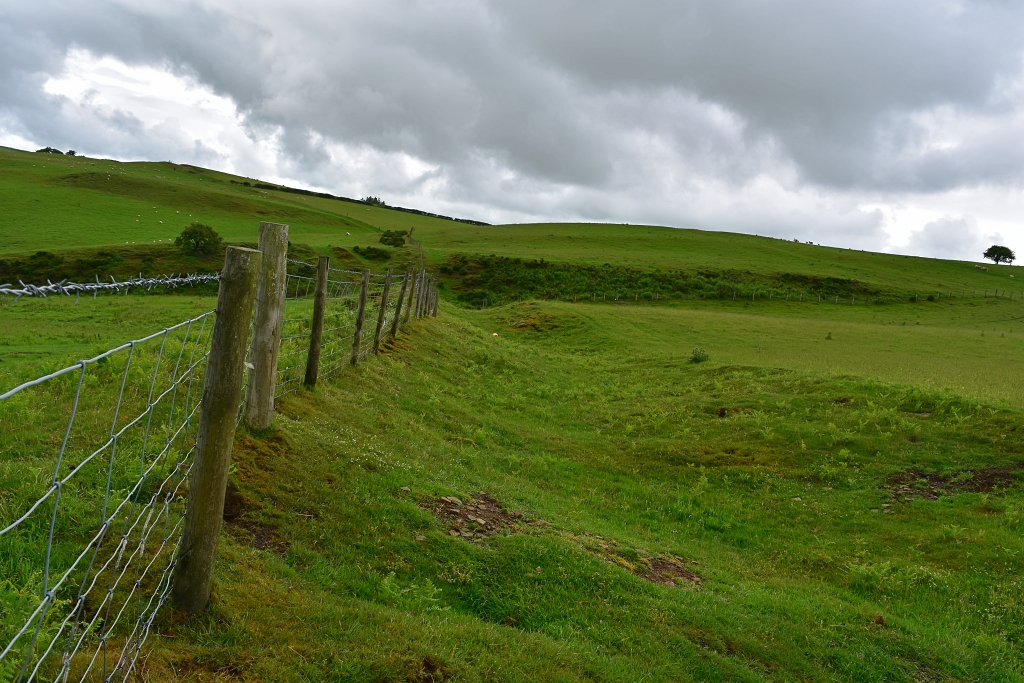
x=893, y=125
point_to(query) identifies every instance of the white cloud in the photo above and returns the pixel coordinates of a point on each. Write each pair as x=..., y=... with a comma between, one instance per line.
x=852, y=125
x=951, y=238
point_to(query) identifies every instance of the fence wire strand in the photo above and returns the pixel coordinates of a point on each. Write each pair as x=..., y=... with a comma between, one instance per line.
x=95, y=567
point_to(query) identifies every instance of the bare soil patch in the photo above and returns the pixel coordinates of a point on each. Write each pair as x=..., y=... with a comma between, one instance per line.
x=667, y=570
x=429, y=670
x=929, y=486
x=256, y=534
x=476, y=518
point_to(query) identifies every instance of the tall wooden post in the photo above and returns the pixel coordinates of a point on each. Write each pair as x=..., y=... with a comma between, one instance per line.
x=316, y=331
x=398, y=306
x=357, y=336
x=426, y=295
x=266, y=331
x=412, y=295
x=215, y=435
x=383, y=311
x=422, y=292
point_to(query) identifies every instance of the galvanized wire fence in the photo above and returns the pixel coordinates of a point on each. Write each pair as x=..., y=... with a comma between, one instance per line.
x=96, y=464
x=93, y=476
x=343, y=290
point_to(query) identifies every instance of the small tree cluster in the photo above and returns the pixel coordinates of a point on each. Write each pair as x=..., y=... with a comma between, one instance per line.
x=198, y=239
x=394, y=238
x=377, y=201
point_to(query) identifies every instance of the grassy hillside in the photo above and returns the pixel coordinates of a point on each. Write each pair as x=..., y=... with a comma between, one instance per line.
x=58, y=203
x=834, y=495
x=812, y=526
x=778, y=491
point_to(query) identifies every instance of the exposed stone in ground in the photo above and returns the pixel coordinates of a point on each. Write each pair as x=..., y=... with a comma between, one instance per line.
x=912, y=484
x=476, y=518
x=481, y=516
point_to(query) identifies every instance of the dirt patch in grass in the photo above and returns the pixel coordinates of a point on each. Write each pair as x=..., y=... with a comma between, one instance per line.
x=536, y=321
x=199, y=669
x=256, y=534
x=429, y=670
x=670, y=570
x=476, y=518
x=667, y=570
x=929, y=486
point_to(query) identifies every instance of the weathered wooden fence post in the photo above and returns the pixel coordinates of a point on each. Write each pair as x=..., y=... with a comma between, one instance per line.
x=383, y=311
x=424, y=286
x=419, y=293
x=357, y=336
x=266, y=331
x=412, y=295
x=398, y=306
x=316, y=330
x=222, y=392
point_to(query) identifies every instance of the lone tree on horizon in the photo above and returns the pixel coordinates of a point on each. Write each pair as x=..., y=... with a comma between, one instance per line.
x=999, y=254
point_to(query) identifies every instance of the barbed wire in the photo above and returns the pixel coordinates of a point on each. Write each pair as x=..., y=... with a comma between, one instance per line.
x=76, y=288
x=98, y=585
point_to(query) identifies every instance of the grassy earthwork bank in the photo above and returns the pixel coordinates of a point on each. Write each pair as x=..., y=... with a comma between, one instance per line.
x=835, y=494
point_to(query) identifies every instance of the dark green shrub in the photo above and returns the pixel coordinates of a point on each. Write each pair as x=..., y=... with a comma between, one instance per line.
x=372, y=253
x=699, y=355
x=394, y=238
x=198, y=239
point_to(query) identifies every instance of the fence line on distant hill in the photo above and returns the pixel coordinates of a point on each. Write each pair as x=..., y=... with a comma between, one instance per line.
x=89, y=559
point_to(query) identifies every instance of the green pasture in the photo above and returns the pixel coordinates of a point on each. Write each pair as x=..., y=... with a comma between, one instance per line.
x=947, y=346
x=765, y=468
x=770, y=482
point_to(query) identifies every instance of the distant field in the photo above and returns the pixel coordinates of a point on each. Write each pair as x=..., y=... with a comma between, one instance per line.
x=953, y=347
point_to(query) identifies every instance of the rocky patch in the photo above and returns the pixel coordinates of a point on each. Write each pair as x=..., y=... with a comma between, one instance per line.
x=477, y=518
x=912, y=484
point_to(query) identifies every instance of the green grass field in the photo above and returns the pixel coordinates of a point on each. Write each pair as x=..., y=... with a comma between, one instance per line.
x=835, y=494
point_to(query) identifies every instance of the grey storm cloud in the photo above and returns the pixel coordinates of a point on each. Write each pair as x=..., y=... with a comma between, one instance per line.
x=650, y=110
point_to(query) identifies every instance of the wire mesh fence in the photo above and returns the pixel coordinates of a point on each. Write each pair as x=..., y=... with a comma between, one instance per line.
x=95, y=476
x=92, y=486
x=339, y=323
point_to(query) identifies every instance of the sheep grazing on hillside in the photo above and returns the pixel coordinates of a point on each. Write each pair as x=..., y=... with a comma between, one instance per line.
x=983, y=268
